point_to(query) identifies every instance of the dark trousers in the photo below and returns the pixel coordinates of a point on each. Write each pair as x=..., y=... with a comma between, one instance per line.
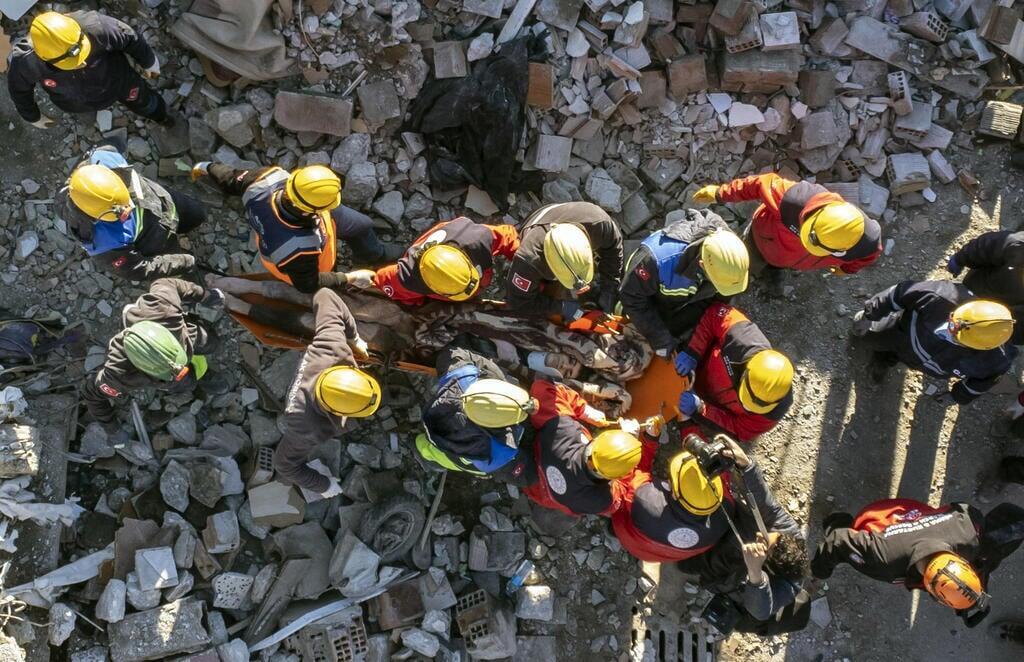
x=191, y=213
x=791, y=618
x=1011, y=469
x=1001, y=535
x=356, y=230
x=144, y=101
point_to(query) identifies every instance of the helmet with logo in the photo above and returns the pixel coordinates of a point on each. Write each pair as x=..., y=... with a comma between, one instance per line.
x=951, y=580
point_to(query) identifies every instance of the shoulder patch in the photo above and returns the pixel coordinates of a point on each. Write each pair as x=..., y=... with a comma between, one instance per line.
x=110, y=390
x=522, y=283
x=389, y=291
x=556, y=481
x=642, y=273
x=119, y=262
x=49, y=82
x=684, y=537
x=133, y=94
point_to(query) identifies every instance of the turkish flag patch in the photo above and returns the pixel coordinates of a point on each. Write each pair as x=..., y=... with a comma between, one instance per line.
x=642, y=273
x=119, y=262
x=49, y=82
x=133, y=94
x=110, y=390
x=389, y=291
x=521, y=283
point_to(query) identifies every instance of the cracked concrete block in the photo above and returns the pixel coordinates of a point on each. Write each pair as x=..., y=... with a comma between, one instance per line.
x=817, y=88
x=231, y=590
x=155, y=568
x=138, y=598
x=915, y=125
x=900, y=92
x=908, y=173
x=551, y=153
x=185, y=549
x=174, y=486
x=449, y=60
x=62, y=623
x=535, y=603
x=686, y=75
x=379, y=101
x=313, y=113
x=110, y=606
x=353, y=566
x=18, y=451
x=489, y=8
x=926, y=25
x=560, y=13
x=186, y=582
x=759, y=70
x=602, y=190
x=780, y=31
x=941, y=168
x=221, y=534
x=655, y=87
x=746, y=39
x=730, y=16
x=830, y=38
x=819, y=130
x=160, y=633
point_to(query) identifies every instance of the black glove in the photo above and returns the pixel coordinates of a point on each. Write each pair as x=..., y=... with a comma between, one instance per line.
x=214, y=298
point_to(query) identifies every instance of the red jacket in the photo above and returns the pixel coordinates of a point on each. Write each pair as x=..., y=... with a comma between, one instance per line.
x=785, y=205
x=402, y=281
x=724, y=340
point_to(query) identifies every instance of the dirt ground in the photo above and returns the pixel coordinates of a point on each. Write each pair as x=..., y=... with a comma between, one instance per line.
x=845, y=443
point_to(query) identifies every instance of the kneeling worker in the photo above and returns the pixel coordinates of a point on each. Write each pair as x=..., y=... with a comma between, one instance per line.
x=475, y=422
x=740, y=386
x=161, y=347
x=328, y=389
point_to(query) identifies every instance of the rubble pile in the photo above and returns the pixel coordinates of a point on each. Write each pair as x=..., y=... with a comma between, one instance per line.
x=190, y=547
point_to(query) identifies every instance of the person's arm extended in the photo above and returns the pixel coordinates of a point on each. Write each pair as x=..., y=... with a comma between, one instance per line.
x=776, y=518
x=176, y=291
x=747, y=188
x=608, y=251
x=22, y=90
x=637, y=292
x=100, y=391
x=387, y=281
x=304, y=272
x=711, y=327
x=764, y=599
x=837, y=547
x=986, y=251
x=523, y=292
x=120, y=36
x=967, y=390
x=234, y=181
x=134, y=266
x=888, y=301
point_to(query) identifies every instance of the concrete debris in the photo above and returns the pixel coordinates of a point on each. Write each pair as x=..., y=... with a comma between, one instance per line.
x=18, y=451
x=221, y=534
x=138, y=597
x=313, y=113
x=159, y=633
x=62, y=623
x=276, y=505
x=110, y=607
x=155, y=568
x=231, y=590
x=421, y=642
x=174, y=486
x=536, y=603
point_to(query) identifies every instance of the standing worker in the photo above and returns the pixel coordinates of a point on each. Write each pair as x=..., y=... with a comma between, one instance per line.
x=676, y=273
x=161, y=347
x=740, y=385
x=126, y=223
x=328, y=389
x=79, y=59
x=941, y=329
x=949, y=551
x=802, y=226
x=452, y=261
x=559, y=246
x=297, y=218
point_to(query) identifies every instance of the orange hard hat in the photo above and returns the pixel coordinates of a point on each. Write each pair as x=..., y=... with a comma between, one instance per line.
x=951, y=580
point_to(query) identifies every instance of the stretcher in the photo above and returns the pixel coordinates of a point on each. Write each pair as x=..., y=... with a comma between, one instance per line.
x=642, y=384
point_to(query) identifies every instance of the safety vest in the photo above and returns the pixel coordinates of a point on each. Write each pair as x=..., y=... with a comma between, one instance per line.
x=501, y=454
x=666, y=252
x=280, y=242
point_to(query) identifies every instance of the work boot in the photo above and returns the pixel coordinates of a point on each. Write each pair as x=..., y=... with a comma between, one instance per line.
x=1009, y=631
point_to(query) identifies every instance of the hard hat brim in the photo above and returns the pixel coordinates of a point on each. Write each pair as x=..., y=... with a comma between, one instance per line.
x=747, y=400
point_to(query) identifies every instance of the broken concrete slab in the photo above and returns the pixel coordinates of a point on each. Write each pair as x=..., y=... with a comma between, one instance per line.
x=730, y=16
x=908, y=173
x=236, y=124
x=379, y=101
x=602, y=190
x=18, y=451
x=560, y=13
x=174, y=486
x=353, y=566
x=780, y=31
x=231, y=590
x=159, y=633
x=313, y=113
x=686, y=75
x=759, y=71
x=110, y=606
x=536, y=603
x=221, y=534
x=276, y=505
x=550, y=153
x=819, y=129
x=449, y=60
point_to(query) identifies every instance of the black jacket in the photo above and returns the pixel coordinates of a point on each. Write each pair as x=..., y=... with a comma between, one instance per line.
x=155, y=253
x=529, y=272
x=996, y=263
x=661, y=318
x=107, y=77
x=919, y=311
x=117, y=378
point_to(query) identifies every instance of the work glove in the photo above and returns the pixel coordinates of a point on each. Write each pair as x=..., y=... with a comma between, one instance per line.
x=861, y=325
x=685, y=364
x=214, y=298
x=571, y=311
x=689, y=403
x=663, y=352
x=954, y=267
x=707, y=193
x=153, y=71
x=944, y=399
x=361, y=278
x=360, y=349
x=200, y=169
x=630, y=426
x=652, y=426
x=44, y=122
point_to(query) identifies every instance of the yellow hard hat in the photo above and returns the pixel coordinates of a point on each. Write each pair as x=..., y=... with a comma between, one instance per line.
x=691, y=487
x=347, y=391
x=448, y=271
x=726, y=262
x=832, y=230
x=570, y=257
x=766, y=381
x=614, y=454
x=59, y=40
x=494, y=403
x=981, y=324
x=98, y=192
x=314, y=188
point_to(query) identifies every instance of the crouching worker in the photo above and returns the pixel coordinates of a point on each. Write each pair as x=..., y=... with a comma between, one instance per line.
x=452, y=261
x=949, y=552
x=475, y=422
x=161, y=347
x=740, y=385
x=758, y=585
x=579, y=473
x=670, y=520
x=126, y=223
x=328, y=389
x=941, y=329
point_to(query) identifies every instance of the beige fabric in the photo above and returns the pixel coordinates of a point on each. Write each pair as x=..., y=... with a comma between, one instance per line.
x=238, y=35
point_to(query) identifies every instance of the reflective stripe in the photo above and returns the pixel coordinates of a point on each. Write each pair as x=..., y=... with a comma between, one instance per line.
x=266, y=183
x=680, y=292
x=915, y=343
x=295, y=245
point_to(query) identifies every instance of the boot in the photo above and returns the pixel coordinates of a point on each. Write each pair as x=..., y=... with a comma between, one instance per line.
x=1009, y=631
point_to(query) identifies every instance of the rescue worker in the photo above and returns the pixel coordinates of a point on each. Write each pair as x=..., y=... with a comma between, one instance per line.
x=758, y=583
x=558, y=248
x=578, y=473
x=676, y=273
x=328, y=389
x=942, y=329
x=740, y=385
x=126, y=223
x=80, y=61
x=452, y=261
x=670, y=520
x=802, y=226
x=950, y=551
x=296, y=219
x=475, y=421
x=995, y=261
x=162, y=347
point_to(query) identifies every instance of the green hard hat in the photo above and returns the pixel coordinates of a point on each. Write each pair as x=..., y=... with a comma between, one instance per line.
x=154, y=350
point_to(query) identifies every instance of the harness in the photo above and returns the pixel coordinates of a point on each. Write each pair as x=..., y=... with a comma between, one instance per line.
x=666, y=252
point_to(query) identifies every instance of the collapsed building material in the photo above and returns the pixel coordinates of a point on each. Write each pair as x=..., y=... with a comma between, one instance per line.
x=1000, y=119
x=18, y=451
x=908, y=173
x=313, y=113
x=488, y=629
x=159, y=633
